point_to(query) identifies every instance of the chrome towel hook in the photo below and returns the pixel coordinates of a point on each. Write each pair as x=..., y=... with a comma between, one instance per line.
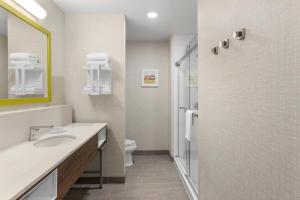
x=215, y=50
x=240, y=35
x=224, y=44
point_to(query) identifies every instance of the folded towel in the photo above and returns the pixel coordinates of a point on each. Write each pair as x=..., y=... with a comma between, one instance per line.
x=24, y=62
x=96, y=62
x=97, y=57
x=104, y=66
x=22, y=56
x=23, y=59
x=188, y=124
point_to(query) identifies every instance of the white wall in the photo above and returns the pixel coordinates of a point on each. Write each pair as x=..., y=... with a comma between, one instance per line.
x=92, y=33
x=3, y=67
x=178, y=45
x=15, y=124
x=249, y=101
x=148, y=116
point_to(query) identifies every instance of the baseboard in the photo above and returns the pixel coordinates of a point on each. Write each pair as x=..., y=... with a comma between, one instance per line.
x=106, y=180
x=151, y=152
x=116, y=180
x=171, y=158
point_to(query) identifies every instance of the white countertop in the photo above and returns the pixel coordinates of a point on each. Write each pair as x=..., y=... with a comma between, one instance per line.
x=24, y=165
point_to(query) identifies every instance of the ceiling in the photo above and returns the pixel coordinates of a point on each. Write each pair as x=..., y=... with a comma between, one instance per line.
x=174, y=16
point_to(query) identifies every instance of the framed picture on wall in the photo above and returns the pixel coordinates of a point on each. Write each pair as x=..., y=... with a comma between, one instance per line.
x=150, y=78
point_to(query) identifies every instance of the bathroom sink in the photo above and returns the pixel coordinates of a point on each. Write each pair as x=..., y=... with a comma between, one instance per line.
x=54, y=141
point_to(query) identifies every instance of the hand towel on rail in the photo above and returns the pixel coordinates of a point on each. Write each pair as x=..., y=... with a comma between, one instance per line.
x=188, y=124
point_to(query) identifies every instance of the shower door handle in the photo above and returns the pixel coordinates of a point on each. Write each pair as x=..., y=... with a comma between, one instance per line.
x=196, y=106
x=183, y=108
x=194, y=115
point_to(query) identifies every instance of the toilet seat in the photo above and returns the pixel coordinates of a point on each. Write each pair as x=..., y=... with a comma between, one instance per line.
x=129, y=142
x=130, y=145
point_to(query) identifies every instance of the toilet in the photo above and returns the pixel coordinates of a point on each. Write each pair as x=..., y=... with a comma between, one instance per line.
x=130, y=146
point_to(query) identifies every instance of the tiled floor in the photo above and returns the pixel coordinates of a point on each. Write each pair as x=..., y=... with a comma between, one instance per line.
x=151, y=178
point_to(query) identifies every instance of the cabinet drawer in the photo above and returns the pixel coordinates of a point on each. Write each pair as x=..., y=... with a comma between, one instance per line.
x=102, y=137
x=46, y=189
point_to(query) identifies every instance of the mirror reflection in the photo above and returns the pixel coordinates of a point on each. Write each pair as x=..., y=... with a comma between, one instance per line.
x=23, y=59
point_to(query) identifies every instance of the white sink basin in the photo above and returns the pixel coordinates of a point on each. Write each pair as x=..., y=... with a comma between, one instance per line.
x=54, y=141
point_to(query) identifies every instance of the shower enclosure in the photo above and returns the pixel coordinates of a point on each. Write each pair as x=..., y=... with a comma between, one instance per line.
x=187, y=158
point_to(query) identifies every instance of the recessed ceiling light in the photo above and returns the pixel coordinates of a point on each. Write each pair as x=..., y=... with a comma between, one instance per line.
x=152, y=15
x=33, y=7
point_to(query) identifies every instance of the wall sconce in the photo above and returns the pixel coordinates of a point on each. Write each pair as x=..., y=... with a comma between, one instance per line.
x=240, y=35
x=33, y=8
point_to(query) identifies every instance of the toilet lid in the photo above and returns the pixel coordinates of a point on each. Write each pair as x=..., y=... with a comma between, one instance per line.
x=129, y=142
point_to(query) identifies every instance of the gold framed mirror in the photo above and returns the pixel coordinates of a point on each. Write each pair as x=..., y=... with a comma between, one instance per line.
x=25, y=59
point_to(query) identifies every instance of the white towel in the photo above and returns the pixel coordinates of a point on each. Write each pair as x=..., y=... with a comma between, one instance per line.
x=24, y=62
x=23, y=59
x=96, y=62
x=103, y=64
x=97, y=57
x=22, y=56
x=188, y=124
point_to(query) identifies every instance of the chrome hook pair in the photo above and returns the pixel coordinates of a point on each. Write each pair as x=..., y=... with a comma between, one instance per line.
x=224, y=44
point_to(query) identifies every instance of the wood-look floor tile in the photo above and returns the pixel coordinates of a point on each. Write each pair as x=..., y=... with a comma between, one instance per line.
x=151, y=178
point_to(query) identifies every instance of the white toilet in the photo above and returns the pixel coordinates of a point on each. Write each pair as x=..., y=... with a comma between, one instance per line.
x=130, y=146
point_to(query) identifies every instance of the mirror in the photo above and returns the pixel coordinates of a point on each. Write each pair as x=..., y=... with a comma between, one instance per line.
x=25, y=72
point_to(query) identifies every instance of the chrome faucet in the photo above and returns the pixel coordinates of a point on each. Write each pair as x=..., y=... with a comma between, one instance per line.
x=34, y=129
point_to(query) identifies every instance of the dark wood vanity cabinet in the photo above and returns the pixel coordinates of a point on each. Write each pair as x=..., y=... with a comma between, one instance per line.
x=73, y=167
x=60, y=180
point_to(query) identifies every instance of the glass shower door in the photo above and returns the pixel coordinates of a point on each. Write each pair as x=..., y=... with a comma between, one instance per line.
x=193, y=105
x=188, y=100
x=183, y=149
